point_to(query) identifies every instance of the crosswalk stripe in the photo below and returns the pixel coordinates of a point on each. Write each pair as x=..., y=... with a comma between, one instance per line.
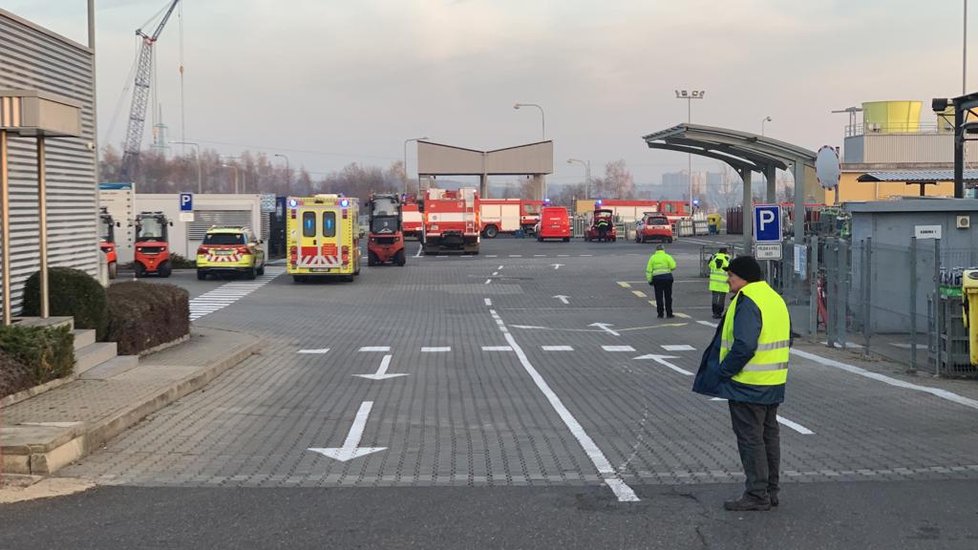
x=229, y=293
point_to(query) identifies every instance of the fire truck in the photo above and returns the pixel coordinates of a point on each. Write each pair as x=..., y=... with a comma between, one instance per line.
x=411, y=220
x=322, y=237
x=451, y=221
x=508, y=216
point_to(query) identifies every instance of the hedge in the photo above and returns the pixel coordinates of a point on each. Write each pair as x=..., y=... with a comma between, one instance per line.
x=144, y=315
x=71, y=293
x=47, y=353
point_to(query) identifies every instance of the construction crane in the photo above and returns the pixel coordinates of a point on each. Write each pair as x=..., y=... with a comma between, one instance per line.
x=140, y=97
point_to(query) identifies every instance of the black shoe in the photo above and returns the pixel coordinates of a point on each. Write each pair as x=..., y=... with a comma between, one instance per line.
x=747, y=504
x=773, y=495
x=659, y=316
x=670, y=316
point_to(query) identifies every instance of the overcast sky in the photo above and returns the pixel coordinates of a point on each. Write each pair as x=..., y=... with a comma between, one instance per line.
x=330, y=82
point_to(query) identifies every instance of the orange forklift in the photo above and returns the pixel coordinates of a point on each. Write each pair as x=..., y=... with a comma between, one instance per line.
x=107, y=241
x=386, y=241
x=152, y=256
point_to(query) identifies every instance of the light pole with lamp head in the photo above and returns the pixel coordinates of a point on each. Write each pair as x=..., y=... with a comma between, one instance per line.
x=587, y=175
x=764, y=120
x=689, y=96
x=543, y=133
x=288, y=173
x=196, y=146
x=405, y=163
x=227, y=164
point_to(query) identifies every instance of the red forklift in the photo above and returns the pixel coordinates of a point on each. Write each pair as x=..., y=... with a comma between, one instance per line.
x=107, y=241
x=602, y=226
x=152, y=256
x=386, y=241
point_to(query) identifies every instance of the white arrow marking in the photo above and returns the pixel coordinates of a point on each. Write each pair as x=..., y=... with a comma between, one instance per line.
x=557, y=266
x=661, y=359
x=795, y=426
x=319, y=351
x=562, y=299
x=604, y=327
x=420, y=249
x=381, y=373
x=351, y=448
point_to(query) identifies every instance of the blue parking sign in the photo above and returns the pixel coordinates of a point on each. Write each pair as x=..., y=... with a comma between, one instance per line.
x=767, y=223
x=186, y=202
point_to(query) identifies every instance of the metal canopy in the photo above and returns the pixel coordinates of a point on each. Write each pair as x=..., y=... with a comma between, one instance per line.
x=761, y=151
x=915, y=176
x=746, y=153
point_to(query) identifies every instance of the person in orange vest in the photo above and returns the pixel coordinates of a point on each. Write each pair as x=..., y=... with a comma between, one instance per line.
x=747, y=364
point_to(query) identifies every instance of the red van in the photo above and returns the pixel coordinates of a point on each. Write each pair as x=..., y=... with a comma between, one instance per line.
x=554, y=224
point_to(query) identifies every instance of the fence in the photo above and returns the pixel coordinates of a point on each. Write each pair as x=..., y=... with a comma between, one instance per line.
x=899, y=302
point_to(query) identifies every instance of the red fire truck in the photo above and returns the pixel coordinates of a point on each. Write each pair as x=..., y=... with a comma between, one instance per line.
x=451, y=221
x=411, y=220
x=508, y=216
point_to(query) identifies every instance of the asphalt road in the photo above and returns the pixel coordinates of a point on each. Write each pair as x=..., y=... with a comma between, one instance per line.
x=523, y=398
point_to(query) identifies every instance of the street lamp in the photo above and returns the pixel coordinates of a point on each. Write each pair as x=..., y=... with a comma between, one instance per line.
x=689, y=96
x=226, y=164
x=587, y=175
x=964, y=56
x=763, y=120
x=200, y=185
x=405, y=163
x=288, y=174
x=543, y=120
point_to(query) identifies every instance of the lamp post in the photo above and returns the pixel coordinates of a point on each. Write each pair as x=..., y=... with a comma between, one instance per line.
x=288, y=174
x=587, y=175
x=543, y=120
x=200, y=181
x=964, y=53
x=763, y=120
x=405, y=163
x=689, y=96
x=226, y=164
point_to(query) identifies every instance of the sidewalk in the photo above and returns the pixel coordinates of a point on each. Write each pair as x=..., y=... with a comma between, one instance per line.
x=49, y=431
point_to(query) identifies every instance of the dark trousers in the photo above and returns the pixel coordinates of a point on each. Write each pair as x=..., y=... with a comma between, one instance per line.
x=718, y=301
x=759, y=443
x=663, y=293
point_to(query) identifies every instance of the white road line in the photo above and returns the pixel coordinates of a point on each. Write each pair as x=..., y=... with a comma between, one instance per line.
x=611, y=477
x=351, y=447
x=795, y=426
x=492, y=256
x=618, y=348
x=436, y=349
x=539, y=255
x=488, y=281
x=678, y=347
x=229, y=293
x=496, y=348
x=420, y=248
x=682, y=315
x=707, y=323
x=623, y=284
x=661, y=359
x=494, y=273
x=488, y=302
x=557, y=348
x=586, y=255
x=376, y=348
x=515, y=255
x=936, y=392
x=314, y=351
x=500, y=267
x=640, y=294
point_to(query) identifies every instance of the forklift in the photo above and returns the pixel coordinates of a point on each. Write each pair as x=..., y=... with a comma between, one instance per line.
x=107, y=241
x=386, y=242
x=152, y=256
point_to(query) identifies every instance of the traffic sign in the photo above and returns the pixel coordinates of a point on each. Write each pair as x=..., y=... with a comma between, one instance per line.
x=186, y=202
x=267, y=202
x=767, y=223
x=767, y=251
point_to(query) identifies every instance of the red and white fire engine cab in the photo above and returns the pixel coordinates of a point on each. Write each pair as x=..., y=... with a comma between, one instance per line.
x=451, y=221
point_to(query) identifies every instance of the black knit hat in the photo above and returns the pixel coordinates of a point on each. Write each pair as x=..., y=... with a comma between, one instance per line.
x=747, y=268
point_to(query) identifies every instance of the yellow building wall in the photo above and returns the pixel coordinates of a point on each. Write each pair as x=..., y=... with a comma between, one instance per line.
x=851, y=190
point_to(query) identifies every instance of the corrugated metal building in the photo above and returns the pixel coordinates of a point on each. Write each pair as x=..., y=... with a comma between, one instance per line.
x=34, y=58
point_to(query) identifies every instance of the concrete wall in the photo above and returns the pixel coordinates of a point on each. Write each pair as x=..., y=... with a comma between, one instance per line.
x=32, y=57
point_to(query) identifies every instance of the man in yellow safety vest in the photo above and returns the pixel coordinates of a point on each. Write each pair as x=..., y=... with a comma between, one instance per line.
x=658, y=272
x=747, y=364
x=718, y=280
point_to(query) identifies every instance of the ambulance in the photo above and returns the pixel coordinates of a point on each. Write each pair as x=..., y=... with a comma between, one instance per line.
x=322, y=237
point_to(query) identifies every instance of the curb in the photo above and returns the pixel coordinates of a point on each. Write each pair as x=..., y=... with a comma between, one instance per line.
x=76, y=442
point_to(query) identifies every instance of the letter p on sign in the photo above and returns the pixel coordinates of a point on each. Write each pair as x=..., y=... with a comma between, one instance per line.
x=767, y=223
x=186, y=202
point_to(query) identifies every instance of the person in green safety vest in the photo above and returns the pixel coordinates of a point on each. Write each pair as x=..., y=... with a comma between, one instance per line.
x=658, y=272
x=718, y=280
x=747, y=364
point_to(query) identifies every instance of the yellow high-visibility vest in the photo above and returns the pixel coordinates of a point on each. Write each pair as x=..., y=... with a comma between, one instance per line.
x=769, y=365
x=718, y=275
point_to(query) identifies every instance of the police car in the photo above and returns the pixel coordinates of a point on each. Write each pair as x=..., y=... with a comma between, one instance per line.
x=230, y=249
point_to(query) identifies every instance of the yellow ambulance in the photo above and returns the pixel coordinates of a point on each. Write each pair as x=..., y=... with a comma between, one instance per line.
x=323, y=237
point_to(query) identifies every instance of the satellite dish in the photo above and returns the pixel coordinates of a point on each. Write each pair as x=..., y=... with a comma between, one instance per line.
x=827, y=168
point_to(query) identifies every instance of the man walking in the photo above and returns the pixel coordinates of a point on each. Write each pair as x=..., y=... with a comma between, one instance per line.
x=718, y=280
x=658, y=272
x=747, y=364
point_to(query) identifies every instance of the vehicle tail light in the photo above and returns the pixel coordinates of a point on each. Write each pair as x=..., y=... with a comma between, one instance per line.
x=201, y=250
x=345, y=251
x=292, y=212
x=345, y=215
x=293, y=254
x=243, y=250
